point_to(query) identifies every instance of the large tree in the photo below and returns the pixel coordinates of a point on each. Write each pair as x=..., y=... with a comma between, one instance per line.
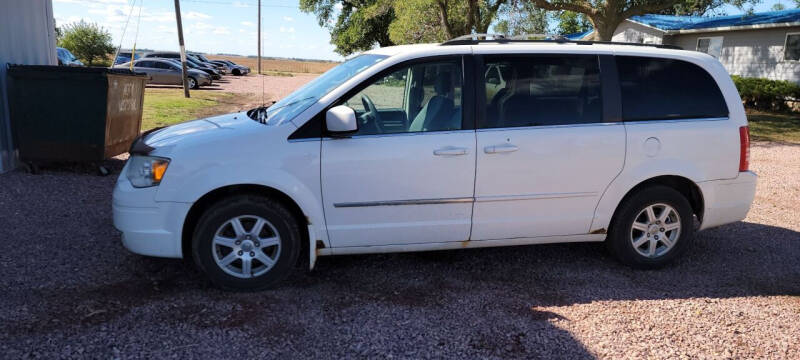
x=440, y=20
x=87, y=41
x=606, y=15
x=357, y=25
x=517, y=17
x=570, y=22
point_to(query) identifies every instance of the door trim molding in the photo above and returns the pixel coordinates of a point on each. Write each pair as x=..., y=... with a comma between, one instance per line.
x=534, y=196
x=459, y=200
x=405, y=202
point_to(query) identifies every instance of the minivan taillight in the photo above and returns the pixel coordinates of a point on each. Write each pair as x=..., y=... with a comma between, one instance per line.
x=744, y=151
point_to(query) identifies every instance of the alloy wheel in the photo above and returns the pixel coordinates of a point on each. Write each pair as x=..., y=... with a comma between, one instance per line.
x=655, y=230
x=246, y=246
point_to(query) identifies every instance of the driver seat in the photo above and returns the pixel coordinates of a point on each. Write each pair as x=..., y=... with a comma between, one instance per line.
x=437, y=114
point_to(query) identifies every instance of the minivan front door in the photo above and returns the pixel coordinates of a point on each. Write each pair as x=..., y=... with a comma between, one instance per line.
x=546, y=151
x=407, y=175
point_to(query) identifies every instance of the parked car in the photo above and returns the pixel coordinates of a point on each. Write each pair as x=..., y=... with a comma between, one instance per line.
x=400, y=149
x=125, y=56
x=204, y=59
x=166, y=72
x=194, y=65
x=223, y=67
x=177, y=56
x=236, y=69
x=201, y=58
x=65, y=58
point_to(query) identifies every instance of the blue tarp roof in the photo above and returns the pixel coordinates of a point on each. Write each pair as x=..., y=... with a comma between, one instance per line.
x=672, y=22
x=578, y=36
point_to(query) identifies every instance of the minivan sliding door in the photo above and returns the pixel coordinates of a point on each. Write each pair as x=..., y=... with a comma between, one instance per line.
x=546, y=148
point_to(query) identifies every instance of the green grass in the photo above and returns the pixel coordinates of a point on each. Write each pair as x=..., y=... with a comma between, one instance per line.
x=164, y=107
x=774, y=127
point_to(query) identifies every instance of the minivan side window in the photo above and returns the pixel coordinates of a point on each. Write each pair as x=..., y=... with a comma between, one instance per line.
x=664, y=89
x=542, y=90
x=421, y=97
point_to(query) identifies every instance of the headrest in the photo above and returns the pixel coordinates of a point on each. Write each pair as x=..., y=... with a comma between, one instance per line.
x=444, y=84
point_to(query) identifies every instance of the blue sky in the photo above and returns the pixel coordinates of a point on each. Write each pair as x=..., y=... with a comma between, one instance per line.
x=223, y=26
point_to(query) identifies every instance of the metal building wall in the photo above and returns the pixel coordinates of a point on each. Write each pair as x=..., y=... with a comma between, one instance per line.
x=27, y=36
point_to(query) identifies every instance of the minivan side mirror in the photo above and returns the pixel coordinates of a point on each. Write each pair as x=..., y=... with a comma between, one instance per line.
x=341, y=120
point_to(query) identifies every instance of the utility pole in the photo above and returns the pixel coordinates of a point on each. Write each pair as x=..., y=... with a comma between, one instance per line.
x=259, y=37
x=183, y=48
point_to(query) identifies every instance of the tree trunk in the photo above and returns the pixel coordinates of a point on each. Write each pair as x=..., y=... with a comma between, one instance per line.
x=448, y=30
x=604, y=27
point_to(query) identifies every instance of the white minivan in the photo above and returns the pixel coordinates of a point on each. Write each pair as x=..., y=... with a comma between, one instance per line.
x=469, y=143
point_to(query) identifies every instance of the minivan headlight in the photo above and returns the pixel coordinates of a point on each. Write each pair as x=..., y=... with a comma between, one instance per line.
x=146, y=171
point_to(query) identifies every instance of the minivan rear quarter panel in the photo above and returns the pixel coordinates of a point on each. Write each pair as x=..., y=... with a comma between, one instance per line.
x=698, y=149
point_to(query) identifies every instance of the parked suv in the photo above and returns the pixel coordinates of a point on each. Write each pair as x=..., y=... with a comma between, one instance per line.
x=408, y=148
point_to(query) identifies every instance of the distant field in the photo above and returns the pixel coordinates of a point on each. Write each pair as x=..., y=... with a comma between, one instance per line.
x=279, y=65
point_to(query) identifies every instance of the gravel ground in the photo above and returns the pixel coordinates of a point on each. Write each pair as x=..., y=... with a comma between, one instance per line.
x=271, y=87
x=70, y=290
x=274, y=87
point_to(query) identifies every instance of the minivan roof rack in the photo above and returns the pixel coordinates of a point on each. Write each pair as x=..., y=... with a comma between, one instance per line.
x=474, y=39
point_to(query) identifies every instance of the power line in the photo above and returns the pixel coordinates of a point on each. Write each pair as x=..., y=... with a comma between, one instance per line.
x=245, y=4
x=216, y=2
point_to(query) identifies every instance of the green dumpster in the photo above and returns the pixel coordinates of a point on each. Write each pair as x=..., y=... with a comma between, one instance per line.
x=61, y=113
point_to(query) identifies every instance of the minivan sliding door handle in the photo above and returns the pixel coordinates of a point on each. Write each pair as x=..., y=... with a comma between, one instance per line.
x=505, y=148
x=450, y=151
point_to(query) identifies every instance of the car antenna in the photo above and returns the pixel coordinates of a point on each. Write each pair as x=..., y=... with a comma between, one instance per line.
x=122, y=37
x=136, y=35
x=263, y=102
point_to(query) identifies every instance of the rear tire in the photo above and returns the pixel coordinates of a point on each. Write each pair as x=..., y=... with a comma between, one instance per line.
x=651, y=228
x=244, y=256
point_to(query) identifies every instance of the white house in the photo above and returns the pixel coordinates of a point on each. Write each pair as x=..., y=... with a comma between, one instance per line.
x=763, y=45
x=27, y=36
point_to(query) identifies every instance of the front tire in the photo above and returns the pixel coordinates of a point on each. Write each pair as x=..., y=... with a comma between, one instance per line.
x=651, y=228
x=193, y=84
x=246, y=243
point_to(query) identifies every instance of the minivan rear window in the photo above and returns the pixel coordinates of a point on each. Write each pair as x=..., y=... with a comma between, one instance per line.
x=541, y=90
x=665, y=89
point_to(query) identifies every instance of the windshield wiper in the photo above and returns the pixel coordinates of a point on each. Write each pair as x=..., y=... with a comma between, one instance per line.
x=260, y=113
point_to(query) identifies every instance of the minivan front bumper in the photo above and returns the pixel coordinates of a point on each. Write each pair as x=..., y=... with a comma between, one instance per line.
x=727, y=201
x=148, y=227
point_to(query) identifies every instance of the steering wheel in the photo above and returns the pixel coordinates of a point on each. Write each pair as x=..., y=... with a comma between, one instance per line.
x=371, y=118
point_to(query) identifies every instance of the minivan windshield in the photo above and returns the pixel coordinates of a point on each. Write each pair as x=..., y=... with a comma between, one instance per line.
x=300, y=100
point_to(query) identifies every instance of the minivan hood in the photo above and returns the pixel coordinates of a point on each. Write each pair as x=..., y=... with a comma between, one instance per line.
x=192, y=129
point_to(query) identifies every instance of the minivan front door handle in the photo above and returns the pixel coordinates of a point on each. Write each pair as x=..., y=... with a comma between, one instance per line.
x=505, y=148
x=450, y=151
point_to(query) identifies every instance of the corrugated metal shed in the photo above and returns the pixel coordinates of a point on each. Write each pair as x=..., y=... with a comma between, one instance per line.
x=27, y=36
